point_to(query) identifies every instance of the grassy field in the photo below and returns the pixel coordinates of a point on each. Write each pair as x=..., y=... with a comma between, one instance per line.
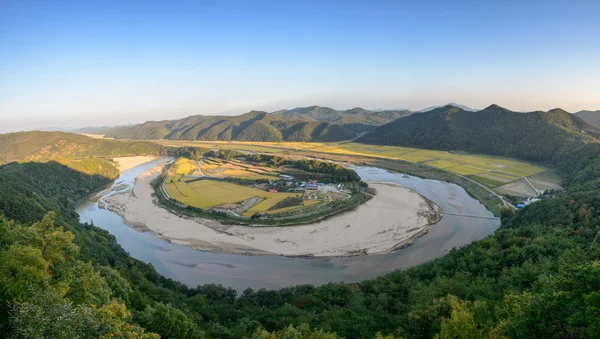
x=488, y=170
x=459, y=163
x=210, y=193
x=185, y=166
x=234, y=168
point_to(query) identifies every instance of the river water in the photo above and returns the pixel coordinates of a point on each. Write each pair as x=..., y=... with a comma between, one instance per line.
x=194, y=267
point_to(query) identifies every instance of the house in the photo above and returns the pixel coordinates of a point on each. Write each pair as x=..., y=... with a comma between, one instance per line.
x=312, y=187
x=274, y=190
x=286, y=177
x=521, y=205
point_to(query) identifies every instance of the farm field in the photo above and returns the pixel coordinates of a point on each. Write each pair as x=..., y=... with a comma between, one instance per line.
x=487, y=170
x=212, y=187
x=210, y=193
x=185, y=166
x=234, y=168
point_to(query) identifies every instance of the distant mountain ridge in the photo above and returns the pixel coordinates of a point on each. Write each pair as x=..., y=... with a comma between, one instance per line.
x=356, y=119
x=494, y=130
x=593, y=117
x=314, y=123
x=466, y=108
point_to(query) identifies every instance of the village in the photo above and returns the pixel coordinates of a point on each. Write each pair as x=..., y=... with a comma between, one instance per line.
x=242, y=190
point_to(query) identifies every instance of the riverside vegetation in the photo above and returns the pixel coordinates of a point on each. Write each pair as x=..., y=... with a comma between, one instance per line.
x=537, y=276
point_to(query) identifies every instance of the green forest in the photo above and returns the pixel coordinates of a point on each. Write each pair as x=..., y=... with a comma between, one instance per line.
x=312, y=123
x=537, y=276
x=534, y=136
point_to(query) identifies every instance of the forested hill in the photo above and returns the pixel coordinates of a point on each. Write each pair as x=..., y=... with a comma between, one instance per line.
x=357, y=119
x=78, y=152
x=536, y=277
x=301, y=124
x=495, y=130
x=593, y=117
x=39, y=146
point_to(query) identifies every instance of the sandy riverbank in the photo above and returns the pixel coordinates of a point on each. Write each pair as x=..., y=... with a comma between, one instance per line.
x=126, y=163
x=393, y=218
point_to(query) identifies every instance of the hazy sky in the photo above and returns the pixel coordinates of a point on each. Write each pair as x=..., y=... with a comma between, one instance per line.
x=111, y=62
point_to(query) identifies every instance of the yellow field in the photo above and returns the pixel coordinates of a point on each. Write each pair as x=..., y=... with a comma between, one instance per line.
x=268, y=203
x=185, y=166
x=283, y=210
x=465, y=164
x=311, y=202
x=247, y=174
x=460, y=163
x=209, y=193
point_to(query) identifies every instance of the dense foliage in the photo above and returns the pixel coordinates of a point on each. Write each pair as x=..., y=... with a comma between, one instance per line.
x=41, y=146
x=356, y=119
x=84, y=154
x=538, y=276
x=536, y=136
x=301, y=124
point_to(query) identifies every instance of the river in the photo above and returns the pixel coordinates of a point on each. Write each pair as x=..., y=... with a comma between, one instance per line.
x=194, y=267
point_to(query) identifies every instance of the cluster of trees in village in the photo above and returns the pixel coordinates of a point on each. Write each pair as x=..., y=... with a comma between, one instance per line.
x=537, y=276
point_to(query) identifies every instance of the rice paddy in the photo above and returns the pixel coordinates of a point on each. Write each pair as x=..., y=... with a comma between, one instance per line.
x=487, y=170
x=208, y=193
x=209, y=188
x=185, y=166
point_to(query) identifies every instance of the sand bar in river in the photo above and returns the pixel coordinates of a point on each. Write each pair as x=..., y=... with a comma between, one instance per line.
x=126, y=163
x=392, y=218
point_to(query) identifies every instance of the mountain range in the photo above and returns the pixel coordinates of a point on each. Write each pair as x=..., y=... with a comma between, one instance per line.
x=593, y=117
x=466, y=108
x=312, y=123
x=494, y=130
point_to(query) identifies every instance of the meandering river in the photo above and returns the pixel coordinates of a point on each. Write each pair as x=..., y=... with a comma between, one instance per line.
x=194, y=267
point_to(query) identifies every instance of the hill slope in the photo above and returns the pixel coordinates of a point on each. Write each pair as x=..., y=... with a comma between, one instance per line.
x=300, y=124
x=494, y=130
x=593, y=117
x=42, y=146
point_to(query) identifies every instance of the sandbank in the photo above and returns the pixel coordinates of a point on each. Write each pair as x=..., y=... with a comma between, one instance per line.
x=126, y=163
x=393, y=218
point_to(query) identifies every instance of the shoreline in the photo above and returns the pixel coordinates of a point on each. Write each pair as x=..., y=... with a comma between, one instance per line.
x=391, y=220
x=127, y=163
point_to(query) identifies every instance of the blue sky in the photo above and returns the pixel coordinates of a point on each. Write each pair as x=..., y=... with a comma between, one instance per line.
x=111, y=62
